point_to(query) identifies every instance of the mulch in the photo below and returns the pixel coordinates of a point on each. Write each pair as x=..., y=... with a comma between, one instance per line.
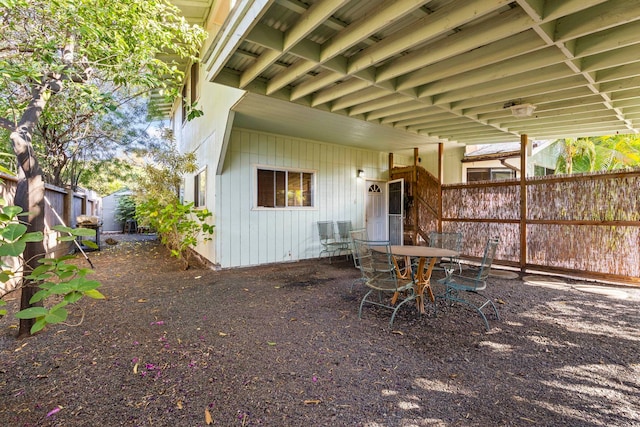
x=282, y=345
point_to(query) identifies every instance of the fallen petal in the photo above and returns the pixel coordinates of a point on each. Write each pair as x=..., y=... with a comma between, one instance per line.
x=54, y=411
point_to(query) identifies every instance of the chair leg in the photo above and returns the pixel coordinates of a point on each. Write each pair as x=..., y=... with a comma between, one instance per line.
x=395, y=311
x=364, y=299
x=453, y=296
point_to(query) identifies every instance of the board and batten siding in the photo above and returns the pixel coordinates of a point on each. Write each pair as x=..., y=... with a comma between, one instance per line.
x=248, y=236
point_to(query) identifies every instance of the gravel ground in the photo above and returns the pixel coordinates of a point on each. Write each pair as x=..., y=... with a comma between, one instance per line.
x=282, y=345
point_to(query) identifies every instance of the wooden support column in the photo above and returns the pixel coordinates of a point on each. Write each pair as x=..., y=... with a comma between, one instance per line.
x=390, y=164
x=524, y=141
x=440, y=179
x=414, y=194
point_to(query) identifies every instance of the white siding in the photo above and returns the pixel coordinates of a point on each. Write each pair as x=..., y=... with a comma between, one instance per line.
x=247, y=236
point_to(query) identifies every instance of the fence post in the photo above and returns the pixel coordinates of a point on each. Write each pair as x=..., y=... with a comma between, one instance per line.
x=68, y=207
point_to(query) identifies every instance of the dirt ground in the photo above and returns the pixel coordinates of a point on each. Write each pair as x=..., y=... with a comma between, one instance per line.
x=282, y=345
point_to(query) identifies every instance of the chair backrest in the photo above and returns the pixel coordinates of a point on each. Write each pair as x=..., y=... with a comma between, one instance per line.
x=487, y=259
x=449, y=240
x=344, y=228
x=376, y=265
x=359, y=234
x=326, y=230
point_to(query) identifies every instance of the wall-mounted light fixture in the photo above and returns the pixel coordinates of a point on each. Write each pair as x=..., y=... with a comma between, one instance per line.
x=360, y=173
x=520, y=110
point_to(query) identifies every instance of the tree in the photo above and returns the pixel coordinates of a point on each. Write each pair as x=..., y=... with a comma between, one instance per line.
x=606, y=153
x=90, y=135
x=72, y=49
x=158, y=203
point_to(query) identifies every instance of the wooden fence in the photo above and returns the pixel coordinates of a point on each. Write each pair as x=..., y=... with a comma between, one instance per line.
x=584, y=225
x=66, y=204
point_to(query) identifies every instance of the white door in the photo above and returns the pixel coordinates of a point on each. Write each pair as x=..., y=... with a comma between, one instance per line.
x=395, y=191
x=376, y=215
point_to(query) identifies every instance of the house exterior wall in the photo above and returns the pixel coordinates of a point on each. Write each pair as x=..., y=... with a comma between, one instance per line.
x=492, y=164
x=205, y=136
x=246, y=235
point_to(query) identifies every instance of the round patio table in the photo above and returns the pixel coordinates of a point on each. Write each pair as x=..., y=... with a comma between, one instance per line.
x=422, y=277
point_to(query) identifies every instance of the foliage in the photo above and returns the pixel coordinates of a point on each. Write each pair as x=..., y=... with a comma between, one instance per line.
x=109, y=175
x=72, y=145
x=93, y=48
x=126, y=208
x=606, y=153
x=162, y=177
x=179, y=225
x=54, y=277
x=99, y=58
x=77, y=61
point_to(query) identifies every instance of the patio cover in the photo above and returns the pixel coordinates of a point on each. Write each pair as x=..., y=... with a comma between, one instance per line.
x=437, y=71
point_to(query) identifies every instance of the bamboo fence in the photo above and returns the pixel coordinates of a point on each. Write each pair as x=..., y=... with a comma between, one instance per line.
x=586, y=225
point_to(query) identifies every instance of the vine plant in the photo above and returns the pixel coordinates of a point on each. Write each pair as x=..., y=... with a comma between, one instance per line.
x=60, y=283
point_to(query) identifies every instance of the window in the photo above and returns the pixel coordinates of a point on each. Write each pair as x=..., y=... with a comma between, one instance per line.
x=194, y=83
x=284, y=188
x=542, y=171
x=200, y=189
x=184, y=104
x=489, y=174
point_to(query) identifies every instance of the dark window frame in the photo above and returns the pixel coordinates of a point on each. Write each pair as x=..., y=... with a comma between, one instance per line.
x=284, y=188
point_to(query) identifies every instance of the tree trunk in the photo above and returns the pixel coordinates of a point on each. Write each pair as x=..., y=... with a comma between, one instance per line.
x=30, y=194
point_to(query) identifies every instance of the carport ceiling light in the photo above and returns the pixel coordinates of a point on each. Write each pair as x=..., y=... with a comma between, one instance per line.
x=522, y=110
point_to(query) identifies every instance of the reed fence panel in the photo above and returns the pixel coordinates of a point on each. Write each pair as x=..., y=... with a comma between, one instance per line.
x=587, y=225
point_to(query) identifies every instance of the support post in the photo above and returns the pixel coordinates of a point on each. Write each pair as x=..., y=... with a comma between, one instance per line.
x=440, y=179
x=524, y=140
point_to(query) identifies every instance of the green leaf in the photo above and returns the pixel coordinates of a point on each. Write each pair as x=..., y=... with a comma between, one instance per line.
x=62, y=288
x=72, y=297
x=12, y=249
x=62, y=228
x=39, y=296
x=56, y=316
x=94, y=293
x=38, y=326
x=83, y=232
x=13, y=231
x=87, y=285
x=35, y=236
x=12, y=211
x=32, y=313
x=90, y=244
x=41, y=272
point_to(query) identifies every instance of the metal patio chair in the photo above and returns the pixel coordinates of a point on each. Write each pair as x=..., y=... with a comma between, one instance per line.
x=379, y=273
x=359, y=234
x=330, y=245
x=344, y=236
x=451, y=241
x=466, y=289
